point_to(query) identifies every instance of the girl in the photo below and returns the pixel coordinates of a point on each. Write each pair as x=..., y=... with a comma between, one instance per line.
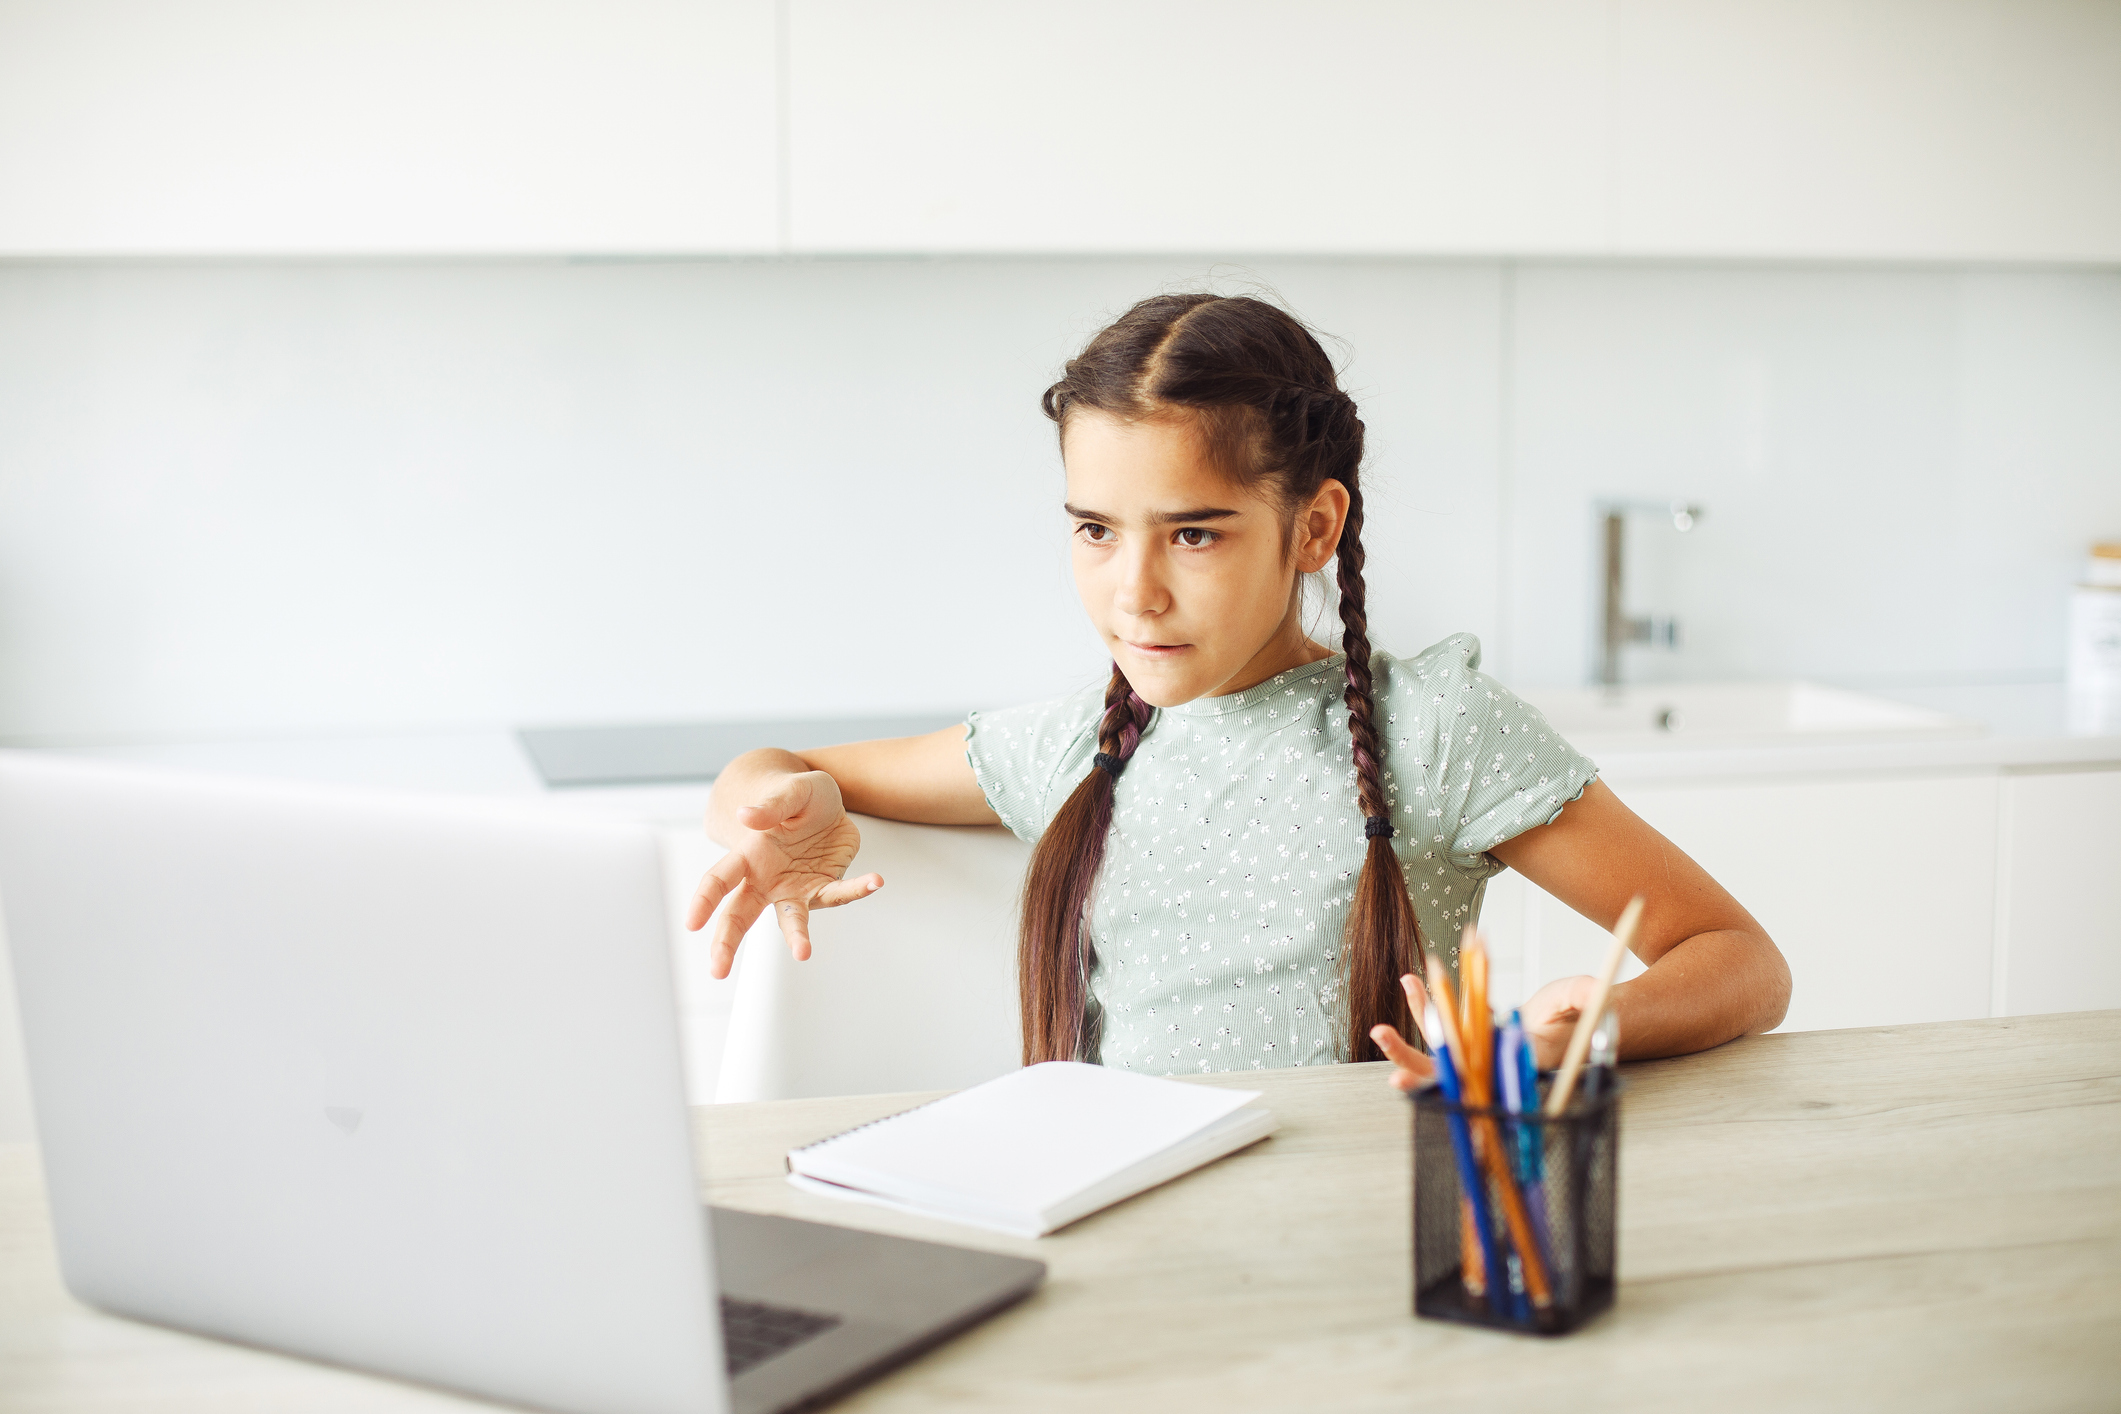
x=1245, y=842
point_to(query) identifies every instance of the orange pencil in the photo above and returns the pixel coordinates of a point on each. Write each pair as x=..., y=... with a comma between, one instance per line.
x=1478, y=1028
x=1472, y=1250
x=1493, y=1157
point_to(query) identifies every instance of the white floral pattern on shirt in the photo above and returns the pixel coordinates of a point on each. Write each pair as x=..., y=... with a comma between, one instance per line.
x=1237, y=838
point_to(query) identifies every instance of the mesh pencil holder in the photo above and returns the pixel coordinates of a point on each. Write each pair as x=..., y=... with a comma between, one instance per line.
x=1547, y=1184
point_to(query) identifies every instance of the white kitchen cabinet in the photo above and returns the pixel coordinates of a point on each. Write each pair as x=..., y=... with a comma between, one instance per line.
x=1879, y=890
x=2058, y=909
x=224, y=127
x=1128, y=126
x=1895, y=129
x=1888, y=129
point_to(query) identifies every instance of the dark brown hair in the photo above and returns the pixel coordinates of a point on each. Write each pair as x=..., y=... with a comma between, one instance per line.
x=1270, y=410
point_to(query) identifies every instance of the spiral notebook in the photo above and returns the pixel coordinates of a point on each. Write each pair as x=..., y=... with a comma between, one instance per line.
x=1034, y=1150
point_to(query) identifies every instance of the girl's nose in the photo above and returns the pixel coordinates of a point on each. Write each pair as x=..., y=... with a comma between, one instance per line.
x=1141, y=589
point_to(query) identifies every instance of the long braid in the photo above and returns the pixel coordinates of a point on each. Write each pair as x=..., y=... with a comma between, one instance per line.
x=1382, y=940
x=1054, y=954
x=1126, y=717
x=1355, y=641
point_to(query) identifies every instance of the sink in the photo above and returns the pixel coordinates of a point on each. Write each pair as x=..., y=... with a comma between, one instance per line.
x=1693, y=714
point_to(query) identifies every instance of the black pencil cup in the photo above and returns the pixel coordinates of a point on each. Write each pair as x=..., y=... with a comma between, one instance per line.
x=1547, y=1184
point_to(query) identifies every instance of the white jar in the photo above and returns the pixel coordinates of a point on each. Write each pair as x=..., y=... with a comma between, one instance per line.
x=2095, y=642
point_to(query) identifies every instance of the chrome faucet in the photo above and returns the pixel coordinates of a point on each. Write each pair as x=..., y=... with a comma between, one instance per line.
x=1658, y=630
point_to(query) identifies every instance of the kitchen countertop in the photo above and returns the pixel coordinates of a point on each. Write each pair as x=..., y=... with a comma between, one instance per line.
x=2027, y=727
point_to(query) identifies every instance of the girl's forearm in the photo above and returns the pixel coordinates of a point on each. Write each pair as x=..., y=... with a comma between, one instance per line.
x=1704, y=991
x=743, y=782
x=923, y=779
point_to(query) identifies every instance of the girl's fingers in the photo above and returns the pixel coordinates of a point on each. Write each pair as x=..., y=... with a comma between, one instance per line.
x=1418, y=1004
x=846, y=891
x=1398, y=1052
x=780, y=808
x=1390, y=1042
x=1415, y=1069
x=744, y=906
x=1440, y=988
x=794, y=918
x=727, y=874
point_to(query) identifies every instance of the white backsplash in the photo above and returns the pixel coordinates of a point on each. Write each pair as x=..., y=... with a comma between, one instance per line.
x=241, y=498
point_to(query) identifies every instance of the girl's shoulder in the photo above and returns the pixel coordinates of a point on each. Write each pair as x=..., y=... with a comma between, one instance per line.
x=1441, y=682
x=1485, y=763
x=1449, y=659
x=1440, y=705
x=1018, y=753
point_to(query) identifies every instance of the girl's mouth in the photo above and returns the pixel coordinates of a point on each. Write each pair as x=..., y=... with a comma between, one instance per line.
x=1158, y=650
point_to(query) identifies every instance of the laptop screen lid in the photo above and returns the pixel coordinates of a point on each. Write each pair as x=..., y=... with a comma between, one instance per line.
x=390, y=1082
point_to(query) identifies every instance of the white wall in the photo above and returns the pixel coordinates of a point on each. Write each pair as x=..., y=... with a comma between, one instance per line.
x=241, y=498
x=1903, y=468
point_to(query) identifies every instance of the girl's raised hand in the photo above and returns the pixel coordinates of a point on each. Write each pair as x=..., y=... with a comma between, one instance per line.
x=794, y=844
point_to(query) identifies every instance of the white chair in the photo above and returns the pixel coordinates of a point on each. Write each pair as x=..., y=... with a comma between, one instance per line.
x=16, y=1126
x=913, y=988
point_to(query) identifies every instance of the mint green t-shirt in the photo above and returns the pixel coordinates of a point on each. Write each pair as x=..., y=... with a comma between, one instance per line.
x=1237, y=838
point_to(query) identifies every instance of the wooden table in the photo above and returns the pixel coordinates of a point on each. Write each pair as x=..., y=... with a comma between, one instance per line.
x=1923, y=1216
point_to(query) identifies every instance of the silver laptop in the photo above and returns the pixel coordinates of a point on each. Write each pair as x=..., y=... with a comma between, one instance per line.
x=395, y=1083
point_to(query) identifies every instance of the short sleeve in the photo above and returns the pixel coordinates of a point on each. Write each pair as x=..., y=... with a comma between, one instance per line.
x=1020, y=754
x=1492, y=764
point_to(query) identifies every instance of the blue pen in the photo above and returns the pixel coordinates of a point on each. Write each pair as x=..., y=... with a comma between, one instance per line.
x=1509, y=1037
x=1528, y=1087
x=1532, y=1149
x=1508, y=1047
x=1520, y=1093
x=1469, y=1180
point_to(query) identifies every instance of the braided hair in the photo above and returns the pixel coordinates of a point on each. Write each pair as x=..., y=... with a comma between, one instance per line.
x=1270, y=408
x=1054, y=953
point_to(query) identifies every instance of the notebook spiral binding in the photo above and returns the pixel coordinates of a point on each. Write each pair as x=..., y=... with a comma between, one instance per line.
x=787, y=1159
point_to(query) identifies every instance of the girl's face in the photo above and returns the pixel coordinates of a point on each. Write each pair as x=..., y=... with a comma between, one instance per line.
x=1189, y=578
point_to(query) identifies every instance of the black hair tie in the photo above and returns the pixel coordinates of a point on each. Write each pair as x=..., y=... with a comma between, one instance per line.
x=1108, y=764
x=1374, y=826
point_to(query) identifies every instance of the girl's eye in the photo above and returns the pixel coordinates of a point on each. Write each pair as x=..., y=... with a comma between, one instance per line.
x=1195, y=538
x=1095, y=534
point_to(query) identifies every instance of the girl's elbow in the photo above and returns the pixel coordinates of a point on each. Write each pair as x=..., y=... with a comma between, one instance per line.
x=1775, y=991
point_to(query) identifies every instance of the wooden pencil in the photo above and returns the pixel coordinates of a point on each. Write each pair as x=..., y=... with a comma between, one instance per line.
x=1587, y=1019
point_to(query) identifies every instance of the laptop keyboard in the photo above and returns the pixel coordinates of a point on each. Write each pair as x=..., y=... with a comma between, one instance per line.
x=753, y=1331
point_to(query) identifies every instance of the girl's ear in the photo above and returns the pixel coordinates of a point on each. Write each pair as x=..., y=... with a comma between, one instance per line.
x=1318, y=526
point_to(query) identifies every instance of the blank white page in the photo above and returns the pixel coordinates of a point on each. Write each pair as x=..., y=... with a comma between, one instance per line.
x=1022, y=1144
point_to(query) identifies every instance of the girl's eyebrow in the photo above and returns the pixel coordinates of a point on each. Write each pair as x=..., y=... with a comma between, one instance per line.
x=1157, y=517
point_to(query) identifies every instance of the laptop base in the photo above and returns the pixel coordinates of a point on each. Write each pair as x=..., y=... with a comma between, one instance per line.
x=890, y=1298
